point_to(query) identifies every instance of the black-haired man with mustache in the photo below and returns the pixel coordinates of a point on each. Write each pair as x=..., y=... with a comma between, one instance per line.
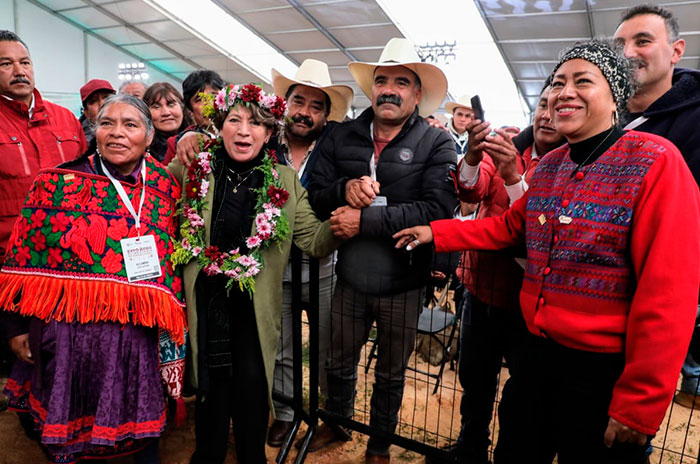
x=667, y=103
x=34, y=134
x=386, y=170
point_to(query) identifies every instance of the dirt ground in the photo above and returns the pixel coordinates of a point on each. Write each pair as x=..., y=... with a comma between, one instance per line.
x=424, y=417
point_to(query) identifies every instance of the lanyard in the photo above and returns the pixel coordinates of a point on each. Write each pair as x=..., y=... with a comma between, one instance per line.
x=636, y=123
x=372, y=169
x=372, y=164
x=125, y=197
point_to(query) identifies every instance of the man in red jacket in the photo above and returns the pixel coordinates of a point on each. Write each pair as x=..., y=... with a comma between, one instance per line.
x=34, y=133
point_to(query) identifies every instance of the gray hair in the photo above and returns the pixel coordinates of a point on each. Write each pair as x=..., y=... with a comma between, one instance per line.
x=137, y=103
x=125, y=83
x=9, y=36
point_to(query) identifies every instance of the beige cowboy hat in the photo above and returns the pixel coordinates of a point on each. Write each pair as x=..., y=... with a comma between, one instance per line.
x=401, y=52
x=315, y=74
x=462, y=102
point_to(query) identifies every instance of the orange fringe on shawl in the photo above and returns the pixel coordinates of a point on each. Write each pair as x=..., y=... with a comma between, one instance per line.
x=88, y=301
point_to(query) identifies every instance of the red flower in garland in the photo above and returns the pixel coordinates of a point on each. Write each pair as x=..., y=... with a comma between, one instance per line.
x=209, y=144
x=279, y=107
x=272, y=154
x=213, y=253
x=250, y=93
x=192, y=189
x=278, y=196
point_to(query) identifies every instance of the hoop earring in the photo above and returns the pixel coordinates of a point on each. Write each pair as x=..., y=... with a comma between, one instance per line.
x=615, y=118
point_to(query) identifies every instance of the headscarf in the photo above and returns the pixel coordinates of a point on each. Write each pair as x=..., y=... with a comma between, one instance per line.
x=612, y=64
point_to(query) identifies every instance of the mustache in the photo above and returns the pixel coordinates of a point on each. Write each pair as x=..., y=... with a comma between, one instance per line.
x=303, y=119
x=20, y=80
x=636, y=63
x=394, y=99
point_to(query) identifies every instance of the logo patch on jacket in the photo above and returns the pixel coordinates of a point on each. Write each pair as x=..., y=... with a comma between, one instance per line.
x=406, y=155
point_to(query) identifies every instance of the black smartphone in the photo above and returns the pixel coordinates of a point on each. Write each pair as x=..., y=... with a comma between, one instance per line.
x=477, y=108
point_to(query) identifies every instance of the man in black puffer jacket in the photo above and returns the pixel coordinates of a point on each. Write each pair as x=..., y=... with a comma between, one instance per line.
x=667, y=103
x=384, y=171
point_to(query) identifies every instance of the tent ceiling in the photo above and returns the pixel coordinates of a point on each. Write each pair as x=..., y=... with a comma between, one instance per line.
x=530, y=33
x=334, y=31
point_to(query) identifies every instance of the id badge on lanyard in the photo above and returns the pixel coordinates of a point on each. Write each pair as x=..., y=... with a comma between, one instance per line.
x=140, y=253
x=379, y=200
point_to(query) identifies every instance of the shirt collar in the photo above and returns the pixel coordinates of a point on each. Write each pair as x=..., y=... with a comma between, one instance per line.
x=129, y=178
x=284, y=146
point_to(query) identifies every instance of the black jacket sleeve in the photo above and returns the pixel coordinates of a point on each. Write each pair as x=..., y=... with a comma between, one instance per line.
x=326, y=190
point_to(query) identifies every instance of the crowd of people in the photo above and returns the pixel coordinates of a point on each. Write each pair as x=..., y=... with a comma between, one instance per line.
x=145, y=251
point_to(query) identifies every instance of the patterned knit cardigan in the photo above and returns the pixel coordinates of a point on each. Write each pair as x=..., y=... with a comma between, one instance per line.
x=613, y=262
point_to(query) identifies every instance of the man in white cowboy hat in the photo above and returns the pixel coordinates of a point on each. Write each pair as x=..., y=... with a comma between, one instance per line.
x=462, y=114
x=386, y=170
x=314, y=105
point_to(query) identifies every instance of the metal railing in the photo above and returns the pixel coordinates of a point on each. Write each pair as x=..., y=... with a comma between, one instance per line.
x=428, y=421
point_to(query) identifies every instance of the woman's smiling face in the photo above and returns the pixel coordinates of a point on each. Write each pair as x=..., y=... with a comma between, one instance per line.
x=580, y=102
x=122, y=136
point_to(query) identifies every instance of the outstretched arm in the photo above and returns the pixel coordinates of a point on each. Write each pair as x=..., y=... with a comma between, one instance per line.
x=493, y=233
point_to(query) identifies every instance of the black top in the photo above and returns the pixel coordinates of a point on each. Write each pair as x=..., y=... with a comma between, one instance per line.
x=232, y=213
x=587, y=151
x=219, y=309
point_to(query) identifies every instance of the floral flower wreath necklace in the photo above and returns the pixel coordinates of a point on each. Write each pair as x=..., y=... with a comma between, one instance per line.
x=271, y=223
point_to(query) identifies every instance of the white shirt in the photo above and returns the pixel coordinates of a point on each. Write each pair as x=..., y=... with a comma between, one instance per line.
x=469, y=175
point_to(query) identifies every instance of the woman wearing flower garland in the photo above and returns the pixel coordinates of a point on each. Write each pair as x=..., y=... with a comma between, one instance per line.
x=87, y=338
x=240, y=213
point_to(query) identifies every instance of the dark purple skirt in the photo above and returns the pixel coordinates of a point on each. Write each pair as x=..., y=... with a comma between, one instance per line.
x=95, y=390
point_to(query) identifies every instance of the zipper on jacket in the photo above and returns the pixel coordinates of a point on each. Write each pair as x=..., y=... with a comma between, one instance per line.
x=23, y=155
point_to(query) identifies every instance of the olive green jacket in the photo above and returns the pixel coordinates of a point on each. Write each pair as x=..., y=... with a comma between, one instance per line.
x=309, y=234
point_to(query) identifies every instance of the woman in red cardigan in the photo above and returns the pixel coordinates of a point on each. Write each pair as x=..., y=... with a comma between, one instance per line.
x=612, y=231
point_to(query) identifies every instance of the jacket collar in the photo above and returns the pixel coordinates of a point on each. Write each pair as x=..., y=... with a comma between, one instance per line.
x=367, y=117
x=684, y=93
x=38, y=107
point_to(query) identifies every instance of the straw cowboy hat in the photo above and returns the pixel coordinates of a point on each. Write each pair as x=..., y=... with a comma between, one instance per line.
x=401, y=52
x=462, y=102
x=315, y=74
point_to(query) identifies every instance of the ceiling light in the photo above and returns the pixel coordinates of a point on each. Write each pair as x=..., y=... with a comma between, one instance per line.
x=220, y=30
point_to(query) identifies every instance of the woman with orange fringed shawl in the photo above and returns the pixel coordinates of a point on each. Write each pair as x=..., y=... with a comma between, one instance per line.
x=86, y=285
